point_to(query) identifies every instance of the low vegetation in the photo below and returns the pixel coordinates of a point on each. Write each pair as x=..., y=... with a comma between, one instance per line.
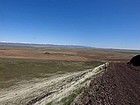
x=14, y=70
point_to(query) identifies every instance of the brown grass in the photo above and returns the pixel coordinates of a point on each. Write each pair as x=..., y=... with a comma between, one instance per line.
x=65, y=54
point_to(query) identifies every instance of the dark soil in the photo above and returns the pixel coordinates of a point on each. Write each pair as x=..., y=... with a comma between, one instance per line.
x=119, y=85
x=135, y=60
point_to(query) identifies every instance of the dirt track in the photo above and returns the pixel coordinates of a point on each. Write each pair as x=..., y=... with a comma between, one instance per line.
x=119, y=85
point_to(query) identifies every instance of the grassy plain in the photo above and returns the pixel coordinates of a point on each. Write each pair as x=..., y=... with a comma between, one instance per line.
x=27, y=63
x=14, y=70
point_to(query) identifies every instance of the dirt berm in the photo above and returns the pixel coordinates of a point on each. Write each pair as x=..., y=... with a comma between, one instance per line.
x=119, y=85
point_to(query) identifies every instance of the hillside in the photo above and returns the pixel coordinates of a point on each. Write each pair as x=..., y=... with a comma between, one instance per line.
x=119, y=85
x=113, y=83
x=55, y=90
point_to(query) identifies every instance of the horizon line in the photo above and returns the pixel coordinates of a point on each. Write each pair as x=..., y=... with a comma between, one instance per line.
x=68, y=45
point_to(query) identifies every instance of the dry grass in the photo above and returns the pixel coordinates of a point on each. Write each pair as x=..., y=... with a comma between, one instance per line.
x=66, y=54
x=15, y=70
x=25, y=63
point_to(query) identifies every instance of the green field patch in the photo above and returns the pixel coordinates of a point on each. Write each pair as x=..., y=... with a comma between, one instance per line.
x=15, y=70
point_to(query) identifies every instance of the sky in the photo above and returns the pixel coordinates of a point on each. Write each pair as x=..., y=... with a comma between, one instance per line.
x=95, y=23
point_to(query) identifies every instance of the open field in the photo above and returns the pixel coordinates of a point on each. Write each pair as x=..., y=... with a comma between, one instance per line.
x=27, y=63
x=66, y=54
x=14, y=70
x=37, y=69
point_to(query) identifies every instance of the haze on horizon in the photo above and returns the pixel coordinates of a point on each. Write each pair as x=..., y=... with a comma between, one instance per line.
x=96, y=23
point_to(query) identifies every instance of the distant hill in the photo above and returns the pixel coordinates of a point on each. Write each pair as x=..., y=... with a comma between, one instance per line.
x=41, y=45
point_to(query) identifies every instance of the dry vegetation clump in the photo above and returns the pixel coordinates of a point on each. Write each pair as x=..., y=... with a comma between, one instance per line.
x=47, y=53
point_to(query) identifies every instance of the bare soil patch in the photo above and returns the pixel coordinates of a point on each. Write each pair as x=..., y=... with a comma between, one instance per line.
x=119, y=85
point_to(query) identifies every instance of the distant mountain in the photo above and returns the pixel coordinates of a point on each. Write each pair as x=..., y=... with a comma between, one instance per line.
x=41, y=45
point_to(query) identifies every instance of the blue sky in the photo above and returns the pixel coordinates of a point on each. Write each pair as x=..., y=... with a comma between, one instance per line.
x=97, y=23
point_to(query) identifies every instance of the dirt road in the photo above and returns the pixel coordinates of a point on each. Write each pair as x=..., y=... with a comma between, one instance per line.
x=119, y=85
x=49, y=90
